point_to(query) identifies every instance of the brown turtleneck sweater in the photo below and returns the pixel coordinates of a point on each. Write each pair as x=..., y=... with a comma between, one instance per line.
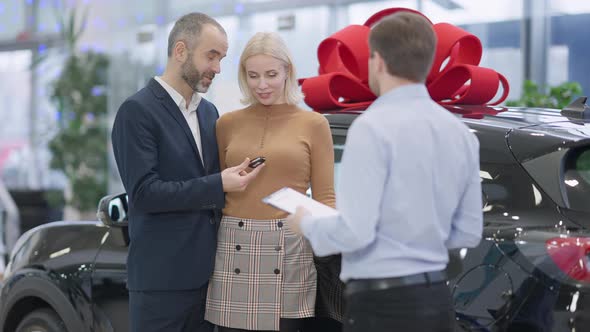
x=297, y=145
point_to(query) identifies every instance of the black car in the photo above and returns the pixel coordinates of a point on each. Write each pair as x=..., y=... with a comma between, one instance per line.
x=530, y=272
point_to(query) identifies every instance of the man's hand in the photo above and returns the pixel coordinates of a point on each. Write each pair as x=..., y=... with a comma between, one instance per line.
x=294, y=220
x=237, y=178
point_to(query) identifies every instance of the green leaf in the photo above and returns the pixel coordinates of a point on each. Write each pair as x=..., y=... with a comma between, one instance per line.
x=82, y=26
x=559, y=96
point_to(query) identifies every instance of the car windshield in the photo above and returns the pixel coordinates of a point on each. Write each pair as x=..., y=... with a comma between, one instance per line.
x=338, y=150
x=577, y=179
x=339, y=141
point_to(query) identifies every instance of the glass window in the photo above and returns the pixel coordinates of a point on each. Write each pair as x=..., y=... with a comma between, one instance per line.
x=303, y=49
x=583, y=165
x=497, y=24
x=506, y=187
x=339, y=141
x=15, y=78
x=461, y=12
x=225, y=92
x=568, y=44
x=47, y=17
x=570, y=7
x=15, y=94
x=358, y=13
x=12, y=18
x=178, y=8
x=577, y=179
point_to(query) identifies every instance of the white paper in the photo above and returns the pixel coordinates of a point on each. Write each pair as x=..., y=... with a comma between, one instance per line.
x=288, y=200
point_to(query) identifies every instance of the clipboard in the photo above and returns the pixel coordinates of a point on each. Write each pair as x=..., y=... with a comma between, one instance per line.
x=288, y=199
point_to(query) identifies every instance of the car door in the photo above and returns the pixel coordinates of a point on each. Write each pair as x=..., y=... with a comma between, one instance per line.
x=109, y=282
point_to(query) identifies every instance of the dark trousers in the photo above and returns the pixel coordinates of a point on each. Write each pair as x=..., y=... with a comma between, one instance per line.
x=422, y=307
x=170, y=311
x=312, y=324
x=322, y=324
x=285, y=325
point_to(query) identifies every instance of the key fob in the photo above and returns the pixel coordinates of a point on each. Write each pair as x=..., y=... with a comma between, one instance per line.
x=256, y=162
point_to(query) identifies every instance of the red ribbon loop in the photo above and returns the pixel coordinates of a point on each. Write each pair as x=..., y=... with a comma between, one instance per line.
x=454, y=78
x=346, y=51
x=456, y=45
x=343, y=91
x=450, y=87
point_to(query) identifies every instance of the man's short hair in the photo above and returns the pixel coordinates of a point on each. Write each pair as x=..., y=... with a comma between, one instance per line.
x=188, y=29
x=407, y=43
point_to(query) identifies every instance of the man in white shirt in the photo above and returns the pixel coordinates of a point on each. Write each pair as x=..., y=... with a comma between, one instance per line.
x=409, y=190
x=166, y=151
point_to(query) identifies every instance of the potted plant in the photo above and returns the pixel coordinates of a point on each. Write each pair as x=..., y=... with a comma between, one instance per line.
x=558, y=97
x=79, y=149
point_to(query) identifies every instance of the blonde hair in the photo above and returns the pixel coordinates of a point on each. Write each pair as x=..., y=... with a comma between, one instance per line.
x=269, y=43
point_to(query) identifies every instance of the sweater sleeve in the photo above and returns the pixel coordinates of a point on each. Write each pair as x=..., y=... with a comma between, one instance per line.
x=322, y=163
x=221, y=130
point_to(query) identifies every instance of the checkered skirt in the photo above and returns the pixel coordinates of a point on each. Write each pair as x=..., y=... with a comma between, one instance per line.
x=263, y=272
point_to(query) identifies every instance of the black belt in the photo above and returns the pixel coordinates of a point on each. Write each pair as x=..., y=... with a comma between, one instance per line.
x=363, y=285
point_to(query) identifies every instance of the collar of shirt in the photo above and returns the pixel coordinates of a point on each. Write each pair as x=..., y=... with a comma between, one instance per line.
x=178, y=98
x=408, y=91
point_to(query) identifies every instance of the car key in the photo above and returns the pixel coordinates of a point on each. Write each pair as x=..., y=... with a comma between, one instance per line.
x=256, y=162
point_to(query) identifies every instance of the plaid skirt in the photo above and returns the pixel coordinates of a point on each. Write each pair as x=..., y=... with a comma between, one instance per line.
x=263, y=272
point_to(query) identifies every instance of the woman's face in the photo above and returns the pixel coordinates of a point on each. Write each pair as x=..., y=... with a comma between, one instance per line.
x=266, y=78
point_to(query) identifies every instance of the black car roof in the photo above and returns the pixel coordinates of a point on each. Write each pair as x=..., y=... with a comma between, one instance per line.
x=548, y=120
x=527, y=132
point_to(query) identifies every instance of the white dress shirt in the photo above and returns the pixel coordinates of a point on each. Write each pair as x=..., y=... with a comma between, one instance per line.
x=190, y=113
x=408, y=190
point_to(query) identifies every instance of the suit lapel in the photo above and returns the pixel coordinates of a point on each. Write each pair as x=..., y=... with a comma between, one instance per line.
x=175, y=112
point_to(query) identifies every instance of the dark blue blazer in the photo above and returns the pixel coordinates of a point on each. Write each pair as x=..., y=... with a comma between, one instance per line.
x=174, y=202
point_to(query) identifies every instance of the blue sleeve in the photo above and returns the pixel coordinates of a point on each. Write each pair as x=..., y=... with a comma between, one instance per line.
x=467, y=223
x=136, y=152
x=362, y=175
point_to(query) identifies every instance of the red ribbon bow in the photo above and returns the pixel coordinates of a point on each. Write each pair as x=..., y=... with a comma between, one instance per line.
x=455, y=77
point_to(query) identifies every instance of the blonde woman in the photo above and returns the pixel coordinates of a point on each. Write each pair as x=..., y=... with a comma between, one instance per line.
x=264, y=277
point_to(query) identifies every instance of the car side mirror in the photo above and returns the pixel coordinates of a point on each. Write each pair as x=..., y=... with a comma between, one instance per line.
x=112, y=210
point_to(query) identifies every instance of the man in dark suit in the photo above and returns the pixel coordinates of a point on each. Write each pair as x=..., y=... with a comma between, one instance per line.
x=166, y=152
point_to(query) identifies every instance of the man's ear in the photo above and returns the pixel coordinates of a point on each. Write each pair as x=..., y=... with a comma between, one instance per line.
x=379, y=63
x=180, y=51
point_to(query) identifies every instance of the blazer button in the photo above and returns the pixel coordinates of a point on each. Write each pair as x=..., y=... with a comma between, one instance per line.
x=237, y=271
x=211, y=221
x=241, y=224
x=278, y=248
x=280, y=224
x=277, y=271
x=238, y=247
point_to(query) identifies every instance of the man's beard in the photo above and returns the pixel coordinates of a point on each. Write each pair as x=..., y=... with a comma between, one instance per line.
x=194, y=78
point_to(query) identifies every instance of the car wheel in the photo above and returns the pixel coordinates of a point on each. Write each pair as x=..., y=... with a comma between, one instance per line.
x=42, y=320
